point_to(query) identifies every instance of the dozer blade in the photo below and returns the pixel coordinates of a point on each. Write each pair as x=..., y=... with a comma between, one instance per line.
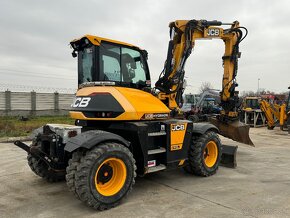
x=234, y=130
x=229, y=156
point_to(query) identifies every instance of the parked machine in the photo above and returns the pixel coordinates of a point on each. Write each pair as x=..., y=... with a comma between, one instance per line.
x=124, y=127
x=206, y=106
x=251, y=103
x=251, y=113
x=277, y=114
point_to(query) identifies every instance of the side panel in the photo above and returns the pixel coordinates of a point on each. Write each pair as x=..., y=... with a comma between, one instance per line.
x=177, y=132
x=179, y=138
x=104, y=103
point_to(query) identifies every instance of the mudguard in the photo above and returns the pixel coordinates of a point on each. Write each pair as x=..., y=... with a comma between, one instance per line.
x=202, y=128
x=91, y=138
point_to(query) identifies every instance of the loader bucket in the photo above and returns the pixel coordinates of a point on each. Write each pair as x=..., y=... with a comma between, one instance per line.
x=234, y=130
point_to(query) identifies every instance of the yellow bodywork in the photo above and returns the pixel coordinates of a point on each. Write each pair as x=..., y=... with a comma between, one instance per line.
x=136, y=103
x=178, y=131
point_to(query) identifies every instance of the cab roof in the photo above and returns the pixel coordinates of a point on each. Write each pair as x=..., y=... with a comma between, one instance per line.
x=96, y=40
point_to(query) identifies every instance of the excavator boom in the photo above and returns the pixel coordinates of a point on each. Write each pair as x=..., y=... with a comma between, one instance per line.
x=183, y=34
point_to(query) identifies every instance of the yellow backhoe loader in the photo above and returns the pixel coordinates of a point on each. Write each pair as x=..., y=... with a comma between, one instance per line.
x=277, y=114
x=251, y=103
x=124, y=127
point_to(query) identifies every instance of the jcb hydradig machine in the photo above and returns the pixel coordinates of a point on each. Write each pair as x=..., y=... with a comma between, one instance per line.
x=124, y=128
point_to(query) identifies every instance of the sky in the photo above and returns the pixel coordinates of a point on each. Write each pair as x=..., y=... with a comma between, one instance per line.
x=35, y=35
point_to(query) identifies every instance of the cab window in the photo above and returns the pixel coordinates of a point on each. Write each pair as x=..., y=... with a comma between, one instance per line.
x=121, y=64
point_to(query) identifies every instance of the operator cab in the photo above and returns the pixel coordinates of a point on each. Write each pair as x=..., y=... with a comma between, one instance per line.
x=109, y=62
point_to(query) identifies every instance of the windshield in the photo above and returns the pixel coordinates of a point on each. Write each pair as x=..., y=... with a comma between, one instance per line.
x=86, y=65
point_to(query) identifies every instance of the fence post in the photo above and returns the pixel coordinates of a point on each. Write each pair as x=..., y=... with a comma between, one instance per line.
x=33, y=103
x=56, y=101
x=7, y=101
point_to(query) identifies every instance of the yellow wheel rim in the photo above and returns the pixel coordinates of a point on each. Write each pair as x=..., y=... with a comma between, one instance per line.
x=110, y=176
x=210, y=154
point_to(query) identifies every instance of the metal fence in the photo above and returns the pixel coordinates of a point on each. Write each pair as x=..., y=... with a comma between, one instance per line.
x=32, y=103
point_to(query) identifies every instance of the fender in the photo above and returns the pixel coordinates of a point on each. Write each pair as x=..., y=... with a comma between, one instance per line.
x=91, y=138
x=202, y=128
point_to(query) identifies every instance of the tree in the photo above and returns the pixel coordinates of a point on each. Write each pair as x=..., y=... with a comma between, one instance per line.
x=205, y=86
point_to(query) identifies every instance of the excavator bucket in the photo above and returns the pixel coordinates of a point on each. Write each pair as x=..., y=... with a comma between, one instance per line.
x=234, y=130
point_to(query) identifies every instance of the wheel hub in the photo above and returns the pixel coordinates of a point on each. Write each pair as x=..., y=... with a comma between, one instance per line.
x=105, y=174
x=210, y=154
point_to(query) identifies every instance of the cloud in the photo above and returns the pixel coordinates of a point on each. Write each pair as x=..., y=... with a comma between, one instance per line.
x=35, y=37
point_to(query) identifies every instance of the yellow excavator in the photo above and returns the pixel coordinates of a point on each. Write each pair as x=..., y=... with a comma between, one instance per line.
x=277, y=114
x=126, y=128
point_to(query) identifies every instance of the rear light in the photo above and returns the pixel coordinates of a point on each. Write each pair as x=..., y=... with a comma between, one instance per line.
x=99, y=93
x=103, y=114
x=72, y=133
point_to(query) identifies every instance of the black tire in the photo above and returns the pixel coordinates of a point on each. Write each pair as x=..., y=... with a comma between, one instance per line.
x=71, y=171
x=194, y=118
x=88, y=172
x=196, y=157
x=40, y=168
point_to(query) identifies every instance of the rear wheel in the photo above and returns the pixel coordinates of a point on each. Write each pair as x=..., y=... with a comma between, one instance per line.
x=204, y=155
x=105, y=175
x=71, y=171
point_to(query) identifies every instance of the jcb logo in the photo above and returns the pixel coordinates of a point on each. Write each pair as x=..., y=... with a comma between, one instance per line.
x=180, y=127
x=213, y=32
x=81, y=102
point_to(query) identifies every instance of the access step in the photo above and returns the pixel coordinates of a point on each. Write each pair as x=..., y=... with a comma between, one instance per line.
x=156, y=168
x=156, y=133
x=157, y=151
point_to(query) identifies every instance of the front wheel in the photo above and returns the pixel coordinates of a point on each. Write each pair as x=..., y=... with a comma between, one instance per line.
x=105, y=175
x=204, y=154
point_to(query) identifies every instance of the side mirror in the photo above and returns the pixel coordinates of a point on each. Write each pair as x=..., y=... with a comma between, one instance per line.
x=74, y=54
